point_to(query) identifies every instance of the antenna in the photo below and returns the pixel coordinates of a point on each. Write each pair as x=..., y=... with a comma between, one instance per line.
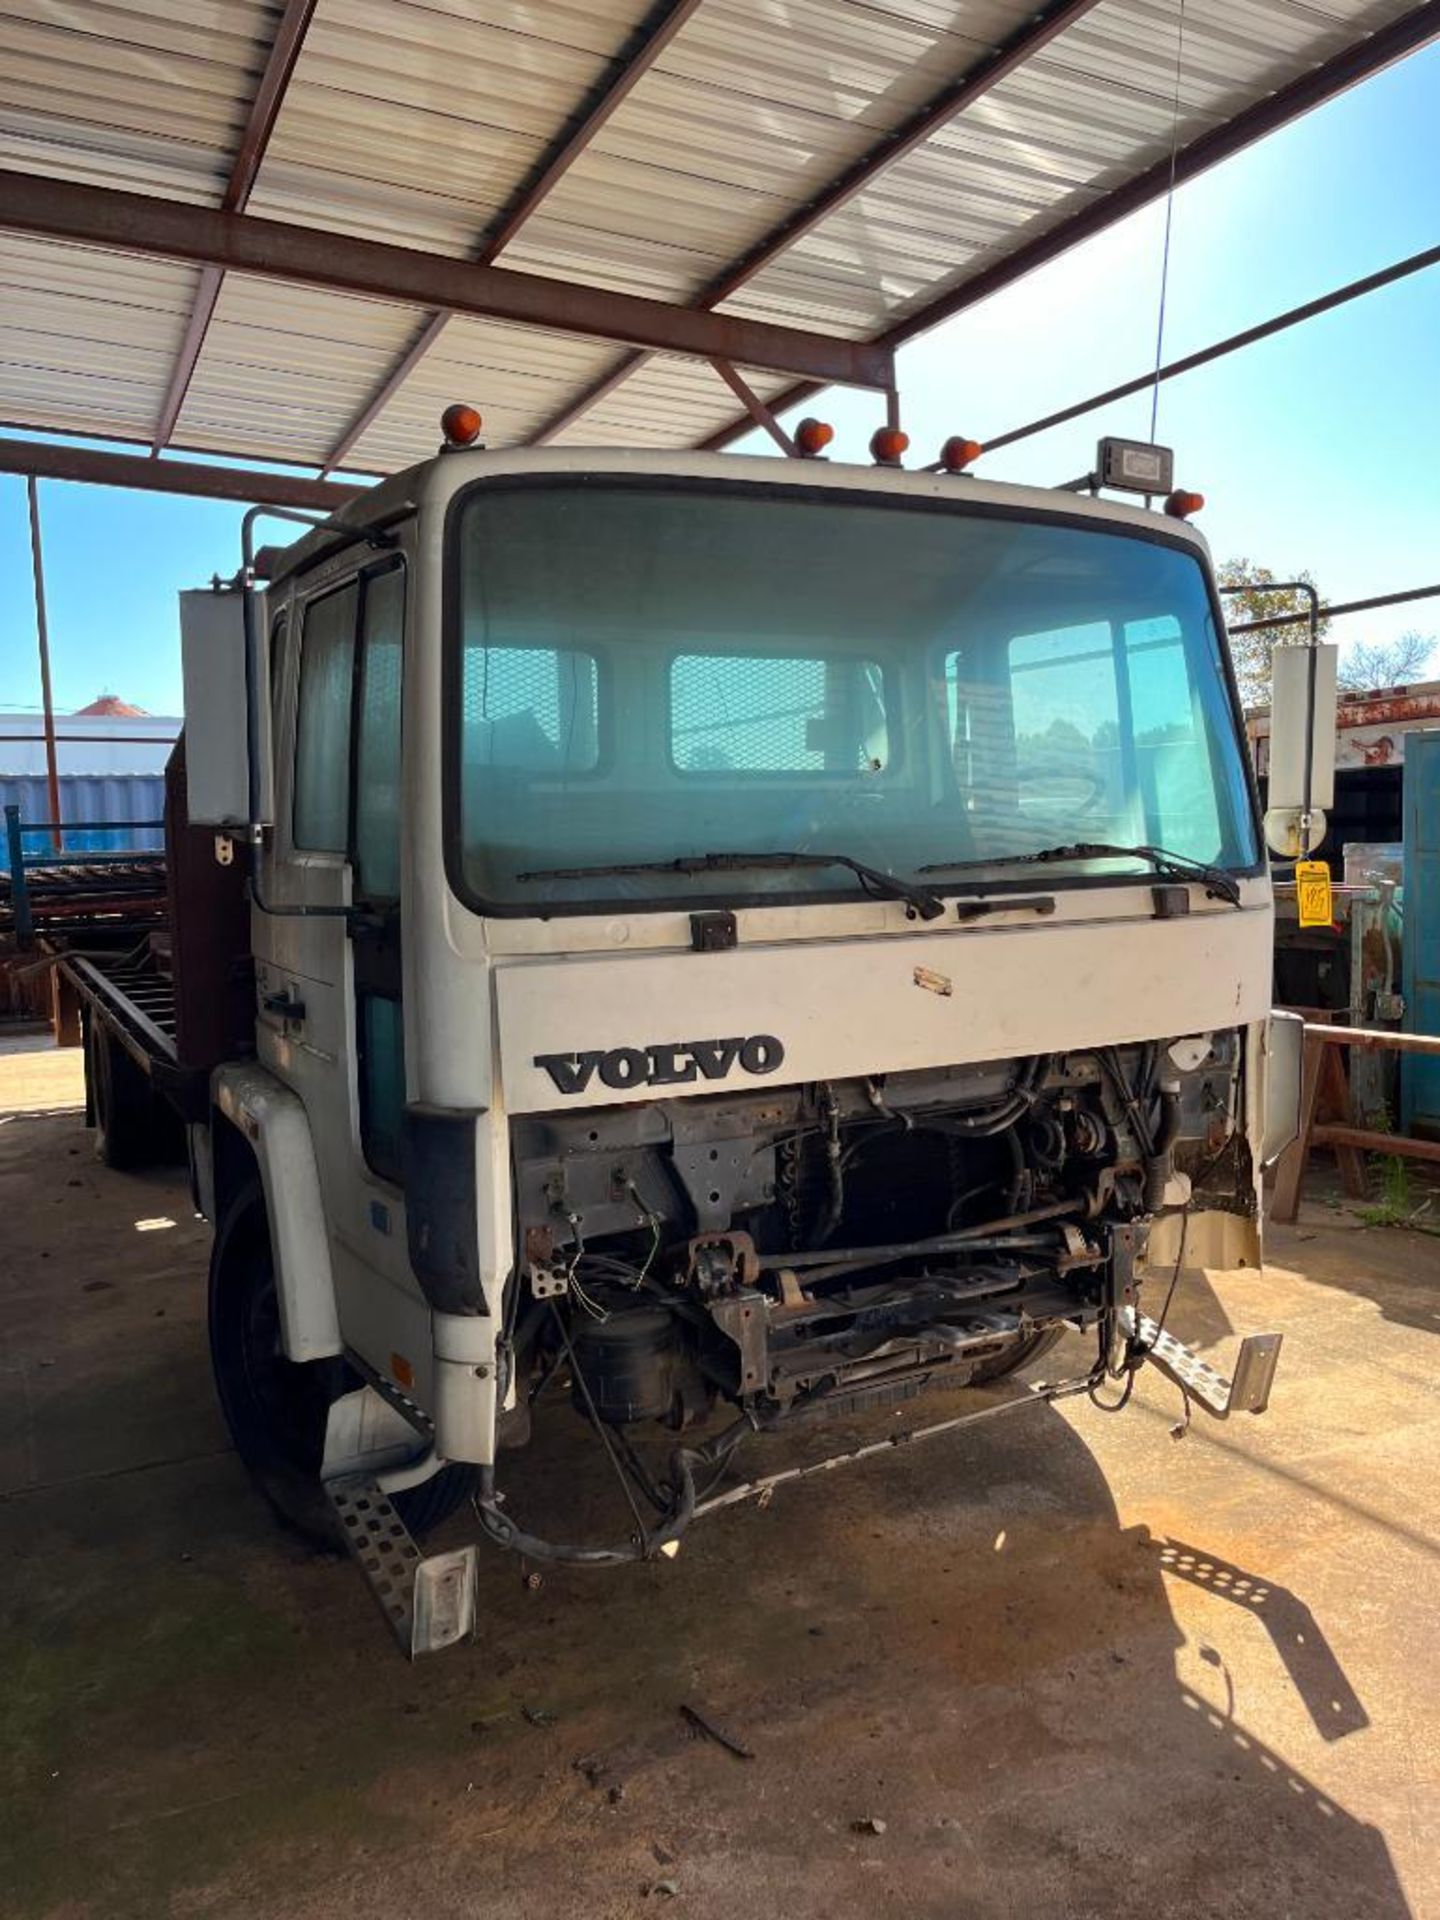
x=1169, y=216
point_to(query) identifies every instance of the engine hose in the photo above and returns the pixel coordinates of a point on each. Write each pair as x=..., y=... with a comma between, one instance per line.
x=834, y=1167
x=1018, y=1194
x=1016, y=1104
x=1109, y=1061
x=1159, y=1163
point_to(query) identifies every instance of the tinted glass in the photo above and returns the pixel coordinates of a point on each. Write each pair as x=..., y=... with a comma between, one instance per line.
x=322, y=735
x=651, y=672
x=377, y=747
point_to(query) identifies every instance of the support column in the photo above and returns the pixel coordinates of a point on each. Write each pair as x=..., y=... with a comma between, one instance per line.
x=42, y=631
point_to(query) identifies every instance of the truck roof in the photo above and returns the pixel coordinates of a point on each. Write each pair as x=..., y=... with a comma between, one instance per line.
x=435, y=481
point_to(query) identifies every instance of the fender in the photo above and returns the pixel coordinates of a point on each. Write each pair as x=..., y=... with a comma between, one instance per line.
x=274, y=1121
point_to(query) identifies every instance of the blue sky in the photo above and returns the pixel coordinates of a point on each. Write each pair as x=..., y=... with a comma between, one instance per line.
x=1314, y=450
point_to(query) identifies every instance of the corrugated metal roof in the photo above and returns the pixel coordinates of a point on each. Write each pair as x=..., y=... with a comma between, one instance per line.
x=421, y=121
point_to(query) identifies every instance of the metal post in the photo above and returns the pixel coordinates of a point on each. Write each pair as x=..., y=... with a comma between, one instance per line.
x=19, y=888
x=42, y=630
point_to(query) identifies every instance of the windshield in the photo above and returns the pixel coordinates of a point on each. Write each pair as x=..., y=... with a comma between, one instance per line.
x=658, y=670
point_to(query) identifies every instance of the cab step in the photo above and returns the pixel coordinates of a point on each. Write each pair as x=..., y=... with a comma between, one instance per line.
x=1248, y=1392
x=428, y=1601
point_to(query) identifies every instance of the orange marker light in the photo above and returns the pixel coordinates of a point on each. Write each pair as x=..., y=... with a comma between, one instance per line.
x=401, y=1370
x=958, y=453
x=1180, y=505
x=812, y=437
x=887, y=445
x=461, y=425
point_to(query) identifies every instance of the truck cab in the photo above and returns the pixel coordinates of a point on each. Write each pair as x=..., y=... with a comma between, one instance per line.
x=750, y=939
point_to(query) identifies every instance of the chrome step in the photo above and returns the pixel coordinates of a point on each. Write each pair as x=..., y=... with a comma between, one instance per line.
x=428, y=1601
x=1248, y=1392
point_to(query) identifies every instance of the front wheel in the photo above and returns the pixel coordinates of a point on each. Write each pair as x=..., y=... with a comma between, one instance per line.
x=277, y=1408
x=1014, y=1358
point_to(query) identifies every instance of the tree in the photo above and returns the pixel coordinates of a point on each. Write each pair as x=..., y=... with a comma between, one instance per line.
x=1369, y=664
x=1255, y=598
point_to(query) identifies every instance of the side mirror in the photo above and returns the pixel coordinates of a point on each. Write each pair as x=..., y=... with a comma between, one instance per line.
x=1302, y=748
x=228, y=756
x=1284, y=1058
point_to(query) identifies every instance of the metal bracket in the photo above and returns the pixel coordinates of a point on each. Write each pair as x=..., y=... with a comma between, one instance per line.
x=1248, y=1392
x=740, y=1316
x=548, y=1282
x=429, y=1602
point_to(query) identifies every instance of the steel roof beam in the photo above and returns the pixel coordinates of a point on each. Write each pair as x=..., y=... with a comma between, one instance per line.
x=1218, y=349
x=139, y=223
x=937, y=113
x=630, y=65
x=1367, y=57
x=48, y=462
x=254, y=139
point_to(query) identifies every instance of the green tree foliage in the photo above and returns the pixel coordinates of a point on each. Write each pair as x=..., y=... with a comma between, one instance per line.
x=1256, y=598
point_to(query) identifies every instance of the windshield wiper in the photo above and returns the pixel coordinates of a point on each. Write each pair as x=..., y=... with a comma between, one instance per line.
x=874, y=880
x=1172, y=866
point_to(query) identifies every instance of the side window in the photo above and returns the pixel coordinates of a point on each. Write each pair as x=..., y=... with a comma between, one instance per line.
x=322, y=730
x=278, y=627
x=375, y=858
x=376, y=848
x=380, y=1022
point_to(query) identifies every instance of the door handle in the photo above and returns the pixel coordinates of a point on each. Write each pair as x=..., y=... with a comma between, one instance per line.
x=284, y=1006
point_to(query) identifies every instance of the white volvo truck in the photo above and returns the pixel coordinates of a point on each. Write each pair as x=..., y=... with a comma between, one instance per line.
x=734, y=941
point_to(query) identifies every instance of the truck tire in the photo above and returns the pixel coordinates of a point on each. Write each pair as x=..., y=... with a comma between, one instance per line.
x=276, y=1408
x=122, y=1101
x=1014, y=1358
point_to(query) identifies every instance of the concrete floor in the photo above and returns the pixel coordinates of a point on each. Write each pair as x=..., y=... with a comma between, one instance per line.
x=1074, y=1667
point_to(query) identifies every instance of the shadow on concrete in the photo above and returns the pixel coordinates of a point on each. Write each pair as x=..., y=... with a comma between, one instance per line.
x=1318, y=1677
x=1196, y=1315
x=1395, y=1267
x=959, y=1638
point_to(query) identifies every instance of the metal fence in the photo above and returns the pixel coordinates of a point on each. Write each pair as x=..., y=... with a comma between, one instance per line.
x=97, y=812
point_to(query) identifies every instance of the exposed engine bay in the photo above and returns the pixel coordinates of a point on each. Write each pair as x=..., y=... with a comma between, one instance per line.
x=825, y=1248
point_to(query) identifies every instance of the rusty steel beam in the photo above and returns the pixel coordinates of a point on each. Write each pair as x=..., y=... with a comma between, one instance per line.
x=755, y=407
x=1323, y=83
x=172, y=476
x=254, y=139
x=139, y=223
x=630, y=65
x=626, y=70
x=269, y=98
x=430, y=332
x=588, y=397
x=993, y=66
x=937, y=112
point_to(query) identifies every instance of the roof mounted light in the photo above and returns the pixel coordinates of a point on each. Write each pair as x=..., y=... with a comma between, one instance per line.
x=958, y=453
x=461, y=425
x=1134, y=466
x=1180, y=504
x=812, y=436
x=888, y=446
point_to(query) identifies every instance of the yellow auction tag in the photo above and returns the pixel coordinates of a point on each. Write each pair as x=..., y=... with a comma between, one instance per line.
x=1312, y=893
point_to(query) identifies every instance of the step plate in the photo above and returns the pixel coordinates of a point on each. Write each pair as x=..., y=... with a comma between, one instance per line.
x=1248, y=1392
x=428, y=1601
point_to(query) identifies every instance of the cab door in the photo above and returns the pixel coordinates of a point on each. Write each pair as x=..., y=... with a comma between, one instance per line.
x=330, y=983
